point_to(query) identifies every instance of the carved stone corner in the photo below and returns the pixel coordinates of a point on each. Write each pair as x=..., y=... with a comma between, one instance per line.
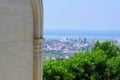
x=37, y=8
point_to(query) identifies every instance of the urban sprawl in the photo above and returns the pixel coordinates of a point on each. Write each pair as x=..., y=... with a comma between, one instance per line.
x=54, y=49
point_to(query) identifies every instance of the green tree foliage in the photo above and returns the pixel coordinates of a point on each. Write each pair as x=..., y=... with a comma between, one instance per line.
x=110, y=49
x=113, y=68
x=102, y=63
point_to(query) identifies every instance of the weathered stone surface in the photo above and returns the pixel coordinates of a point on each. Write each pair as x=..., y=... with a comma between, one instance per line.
x=16, y=40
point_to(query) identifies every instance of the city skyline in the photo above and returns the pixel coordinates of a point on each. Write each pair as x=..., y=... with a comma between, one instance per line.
x=81, y=15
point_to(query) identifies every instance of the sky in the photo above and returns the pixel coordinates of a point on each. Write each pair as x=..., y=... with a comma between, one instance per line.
x=81, y=15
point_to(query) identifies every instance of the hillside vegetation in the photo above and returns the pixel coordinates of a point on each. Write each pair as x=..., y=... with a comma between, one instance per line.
x=102, y=63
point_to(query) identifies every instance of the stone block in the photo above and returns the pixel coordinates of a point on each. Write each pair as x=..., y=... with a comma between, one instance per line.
x=16, y=40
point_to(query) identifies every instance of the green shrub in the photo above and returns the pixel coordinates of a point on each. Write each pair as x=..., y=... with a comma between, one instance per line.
x=102, y=63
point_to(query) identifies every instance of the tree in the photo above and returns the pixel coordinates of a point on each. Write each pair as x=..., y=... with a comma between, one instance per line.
x=113, y=68
x=102, y=63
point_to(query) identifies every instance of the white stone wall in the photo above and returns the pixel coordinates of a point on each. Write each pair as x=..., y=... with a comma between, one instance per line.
x=16, y=40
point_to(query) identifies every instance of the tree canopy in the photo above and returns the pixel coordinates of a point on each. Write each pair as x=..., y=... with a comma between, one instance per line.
x=102, y=63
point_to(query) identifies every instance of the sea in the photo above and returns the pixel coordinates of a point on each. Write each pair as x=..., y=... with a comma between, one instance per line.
x=89, y=35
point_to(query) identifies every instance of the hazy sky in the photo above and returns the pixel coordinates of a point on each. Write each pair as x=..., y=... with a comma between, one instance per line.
x=82, y=15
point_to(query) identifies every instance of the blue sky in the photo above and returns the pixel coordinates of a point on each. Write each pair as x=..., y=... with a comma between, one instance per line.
x=82, y=15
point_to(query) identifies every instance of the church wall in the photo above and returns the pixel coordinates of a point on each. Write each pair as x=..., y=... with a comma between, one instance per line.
x=16, y=40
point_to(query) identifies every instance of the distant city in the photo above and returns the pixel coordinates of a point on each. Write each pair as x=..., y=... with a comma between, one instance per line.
x=64, y=48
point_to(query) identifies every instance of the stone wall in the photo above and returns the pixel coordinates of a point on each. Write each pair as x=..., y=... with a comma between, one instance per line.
x=16, y=40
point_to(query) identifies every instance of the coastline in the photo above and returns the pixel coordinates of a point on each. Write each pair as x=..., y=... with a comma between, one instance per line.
x=76, y=37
